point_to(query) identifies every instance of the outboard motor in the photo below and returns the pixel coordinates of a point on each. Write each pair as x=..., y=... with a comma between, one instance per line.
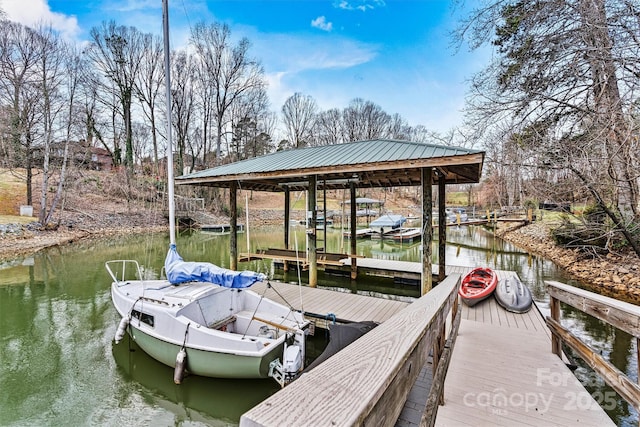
x=292, y=360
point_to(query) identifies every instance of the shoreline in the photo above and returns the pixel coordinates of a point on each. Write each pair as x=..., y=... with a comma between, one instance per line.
x=31, y=242
x=613, y=275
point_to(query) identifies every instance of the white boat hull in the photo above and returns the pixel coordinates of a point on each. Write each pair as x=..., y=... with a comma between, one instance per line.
x=207, y=363
x=227, y=333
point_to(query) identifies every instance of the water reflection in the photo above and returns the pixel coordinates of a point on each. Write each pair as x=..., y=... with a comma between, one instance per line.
x=209, y=400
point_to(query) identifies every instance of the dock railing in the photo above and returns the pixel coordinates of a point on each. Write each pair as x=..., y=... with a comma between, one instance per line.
x=619, y=314
x=367, y=383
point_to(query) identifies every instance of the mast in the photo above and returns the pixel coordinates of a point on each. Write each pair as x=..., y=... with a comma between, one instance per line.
x=167, y=74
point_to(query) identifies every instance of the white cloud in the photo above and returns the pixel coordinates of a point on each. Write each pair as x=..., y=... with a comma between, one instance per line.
x=361, y=5
x=321, y=23
x=285, y=53
x=34, y=12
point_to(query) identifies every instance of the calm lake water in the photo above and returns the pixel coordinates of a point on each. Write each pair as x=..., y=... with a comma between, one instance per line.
x=59, y=365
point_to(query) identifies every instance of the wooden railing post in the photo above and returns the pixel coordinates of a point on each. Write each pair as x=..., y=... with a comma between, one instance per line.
x=436, y=393
x=619, y=314
x=556, y=344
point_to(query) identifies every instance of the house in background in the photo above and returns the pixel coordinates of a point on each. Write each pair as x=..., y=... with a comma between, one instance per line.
x=101, y=159
x=81, y=154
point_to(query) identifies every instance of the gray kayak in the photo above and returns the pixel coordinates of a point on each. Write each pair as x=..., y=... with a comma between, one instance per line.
x=513, y=295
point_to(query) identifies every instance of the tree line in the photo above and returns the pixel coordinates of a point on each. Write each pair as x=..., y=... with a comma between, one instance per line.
x=110, y=93
x=556, y=108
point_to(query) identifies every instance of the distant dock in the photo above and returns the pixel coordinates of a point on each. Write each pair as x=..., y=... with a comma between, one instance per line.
x=221, y=228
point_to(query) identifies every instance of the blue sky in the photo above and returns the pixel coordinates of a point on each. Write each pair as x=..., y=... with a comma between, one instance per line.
x=395, y=53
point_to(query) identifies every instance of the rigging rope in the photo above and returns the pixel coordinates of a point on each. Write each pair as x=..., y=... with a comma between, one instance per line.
x=186, y=332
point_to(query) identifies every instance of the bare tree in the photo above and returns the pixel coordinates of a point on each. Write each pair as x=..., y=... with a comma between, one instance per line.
x=398, y=128
x=74, y=70
x=232, y=73
x=51, y=70
x=329, y=127
x=205, y=94
x=117, y=51
x=182, y=98
x=364, y=120
x=148, y=86
x=19, y=61
x=89, y=112
x=249, y=121
x=299, y=116
x=571, y=69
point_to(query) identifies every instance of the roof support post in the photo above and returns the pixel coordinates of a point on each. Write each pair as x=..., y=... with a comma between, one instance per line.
x=311, y=232
x=427, y=229
x=354, y=226
x=233, y=207
x=442, y=228
x=287, y=210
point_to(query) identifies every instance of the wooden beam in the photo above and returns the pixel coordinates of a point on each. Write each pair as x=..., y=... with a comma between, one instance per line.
x=427, y=230
x=354, y=226
x=556, y=343
x=366, y=383
x=287, y=213
x=442, y=229
x=312, y=216
x=436, y=393
x=233, y=236
x=617, y=379
x=622, y=315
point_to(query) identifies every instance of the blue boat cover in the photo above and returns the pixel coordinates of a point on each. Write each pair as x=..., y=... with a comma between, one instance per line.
x=179, y=271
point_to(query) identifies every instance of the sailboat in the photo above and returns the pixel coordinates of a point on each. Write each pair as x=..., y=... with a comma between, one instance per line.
x=202, y=319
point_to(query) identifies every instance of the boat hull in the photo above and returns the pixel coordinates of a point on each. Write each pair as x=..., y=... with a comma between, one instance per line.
x=473, y=301
x=478, y=285
x=206, y=363
x=513, y=295
x=227, y=333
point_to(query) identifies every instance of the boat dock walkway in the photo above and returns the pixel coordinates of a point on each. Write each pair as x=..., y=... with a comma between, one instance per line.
x=325, y=302
x=502, y=370
x=503, y=373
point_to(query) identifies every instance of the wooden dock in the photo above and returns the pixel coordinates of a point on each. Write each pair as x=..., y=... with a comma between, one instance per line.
x=502, y=370
x=407, y=235
x=400, y=271
x=332, y=304
x=503, y=373
x=221, y=228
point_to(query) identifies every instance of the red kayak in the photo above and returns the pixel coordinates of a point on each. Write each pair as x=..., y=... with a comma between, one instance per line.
x=477, y=285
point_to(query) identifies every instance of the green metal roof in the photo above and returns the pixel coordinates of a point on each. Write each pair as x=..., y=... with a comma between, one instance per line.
x=373, y=163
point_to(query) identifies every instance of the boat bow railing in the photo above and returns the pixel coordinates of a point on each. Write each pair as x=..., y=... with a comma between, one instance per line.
x=122, y=270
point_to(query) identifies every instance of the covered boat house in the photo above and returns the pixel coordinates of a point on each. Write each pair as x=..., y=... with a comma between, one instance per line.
x=362, y=164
